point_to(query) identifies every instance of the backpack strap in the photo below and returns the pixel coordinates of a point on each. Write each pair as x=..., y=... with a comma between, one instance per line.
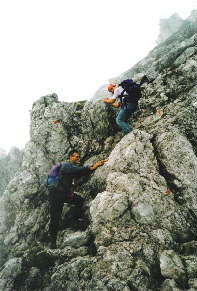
x=123, y=101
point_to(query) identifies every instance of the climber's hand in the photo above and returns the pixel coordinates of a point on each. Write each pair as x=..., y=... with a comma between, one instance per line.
x=97, y=164
x=100, y=163
x=116, y=105
x=108, y=100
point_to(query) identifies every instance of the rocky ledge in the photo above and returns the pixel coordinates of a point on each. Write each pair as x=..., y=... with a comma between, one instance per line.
x=139, y=230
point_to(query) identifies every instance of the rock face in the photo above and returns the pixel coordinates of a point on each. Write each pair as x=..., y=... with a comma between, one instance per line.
x=140, y=230
x=169, y=26
x=9, y=164
x=2, y=153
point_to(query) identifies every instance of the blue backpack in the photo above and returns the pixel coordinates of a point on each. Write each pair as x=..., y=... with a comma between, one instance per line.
x=54, y=174
x=132, y=89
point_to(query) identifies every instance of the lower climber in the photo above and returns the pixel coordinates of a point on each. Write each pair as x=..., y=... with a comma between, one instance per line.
x=60, y=185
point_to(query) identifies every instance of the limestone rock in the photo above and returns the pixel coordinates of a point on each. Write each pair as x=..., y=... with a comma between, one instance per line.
x=11, y=270
x=73, y=239
x=169, y=26
x=191, y=263
x=137, y=230
x=9, y=164
x=169, y=285
x=192, y=284
x=171, y=265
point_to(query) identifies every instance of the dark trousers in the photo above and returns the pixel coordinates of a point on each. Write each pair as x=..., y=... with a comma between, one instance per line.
x=56, y=204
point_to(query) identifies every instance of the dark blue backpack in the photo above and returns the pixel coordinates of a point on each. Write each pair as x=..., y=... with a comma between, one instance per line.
x=132, y=89
x=53, y=174
x=54, y=170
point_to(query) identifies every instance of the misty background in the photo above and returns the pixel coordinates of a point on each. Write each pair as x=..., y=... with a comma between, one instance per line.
x=70, y=48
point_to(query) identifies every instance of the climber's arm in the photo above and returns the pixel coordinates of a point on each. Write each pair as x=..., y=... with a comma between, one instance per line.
x=109, y=100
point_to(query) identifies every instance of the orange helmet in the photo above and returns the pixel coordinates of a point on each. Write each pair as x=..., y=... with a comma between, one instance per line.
x=110, y=87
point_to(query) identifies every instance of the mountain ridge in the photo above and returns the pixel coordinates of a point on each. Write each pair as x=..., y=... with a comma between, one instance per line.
x=140, y=233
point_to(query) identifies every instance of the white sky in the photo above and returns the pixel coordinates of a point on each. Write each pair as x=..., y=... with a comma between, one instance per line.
x=70, y=47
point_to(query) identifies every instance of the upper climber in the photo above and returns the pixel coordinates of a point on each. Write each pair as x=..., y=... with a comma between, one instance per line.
x=126, y=96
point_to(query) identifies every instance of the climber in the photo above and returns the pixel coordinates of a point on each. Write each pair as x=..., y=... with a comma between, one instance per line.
x=126, y=96
x=61, y=189
x=126, y=108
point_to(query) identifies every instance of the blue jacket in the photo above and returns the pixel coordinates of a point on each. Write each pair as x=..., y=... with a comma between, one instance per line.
x=67, y=173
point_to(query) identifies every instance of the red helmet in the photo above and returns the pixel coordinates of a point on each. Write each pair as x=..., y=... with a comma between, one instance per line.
x=110, y=87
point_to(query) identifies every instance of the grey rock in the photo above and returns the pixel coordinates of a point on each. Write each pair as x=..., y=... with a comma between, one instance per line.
x=191, y=263
x=9, y=165
x=73, y=239
x=169, y=285
x=192, y=284
x=169, y=26
x=10, y=271
x=140, y=205
x=180, y=163
x=2, y=153
x=143, y=213
x=171, y=265
x=34, y=279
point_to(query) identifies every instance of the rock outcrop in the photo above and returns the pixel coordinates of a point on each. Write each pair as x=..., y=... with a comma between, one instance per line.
x=9, y=164
x=2, y=153
x=140, y=230
x=168, y=26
